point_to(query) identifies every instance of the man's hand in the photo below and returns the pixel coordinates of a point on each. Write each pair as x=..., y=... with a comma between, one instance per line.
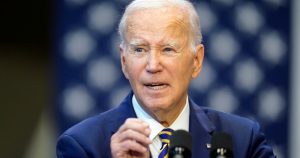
x=131, y=140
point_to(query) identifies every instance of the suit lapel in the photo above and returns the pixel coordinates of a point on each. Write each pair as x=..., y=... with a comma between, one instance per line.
x=201, y=129
x=200, y=126
x=123, y=111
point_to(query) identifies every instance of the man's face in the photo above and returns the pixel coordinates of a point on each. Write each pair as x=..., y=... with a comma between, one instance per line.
x=158, y=59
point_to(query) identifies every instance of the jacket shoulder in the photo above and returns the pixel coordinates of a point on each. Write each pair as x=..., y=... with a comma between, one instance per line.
x=247, y=134
x=106, y=121
x=94, y=124
x=227, y=121
x=81, y=137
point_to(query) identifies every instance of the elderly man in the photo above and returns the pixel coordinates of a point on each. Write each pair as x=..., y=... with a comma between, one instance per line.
x=161, y=52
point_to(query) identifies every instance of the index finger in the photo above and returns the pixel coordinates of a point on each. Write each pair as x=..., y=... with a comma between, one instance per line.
x=136, y=125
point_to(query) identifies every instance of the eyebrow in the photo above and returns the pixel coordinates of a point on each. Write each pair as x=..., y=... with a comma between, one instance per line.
x=170, y=43
x=136, y=42
x=141, y=42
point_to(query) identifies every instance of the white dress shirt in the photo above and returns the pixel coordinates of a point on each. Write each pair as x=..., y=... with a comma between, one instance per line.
x=181, y=122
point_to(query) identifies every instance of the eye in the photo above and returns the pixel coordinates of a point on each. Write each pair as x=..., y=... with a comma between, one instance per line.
x=169, y=50
x=139, y=50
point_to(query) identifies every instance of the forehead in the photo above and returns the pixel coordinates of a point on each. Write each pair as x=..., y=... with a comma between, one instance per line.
x=158, y=22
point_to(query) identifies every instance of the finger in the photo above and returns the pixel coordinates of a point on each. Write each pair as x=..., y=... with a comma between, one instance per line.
x=134, y=135
x=136, y=125
x=130, y=145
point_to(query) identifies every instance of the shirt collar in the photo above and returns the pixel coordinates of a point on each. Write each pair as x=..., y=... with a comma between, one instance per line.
x=181, y=122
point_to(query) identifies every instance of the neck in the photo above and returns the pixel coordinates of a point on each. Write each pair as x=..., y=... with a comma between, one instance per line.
x=165, y=116
x=168, y=116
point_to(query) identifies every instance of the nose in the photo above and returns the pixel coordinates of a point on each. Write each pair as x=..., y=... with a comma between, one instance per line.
x=153, y=62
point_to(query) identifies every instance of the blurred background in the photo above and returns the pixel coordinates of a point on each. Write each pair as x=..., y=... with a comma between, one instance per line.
x=59, y=64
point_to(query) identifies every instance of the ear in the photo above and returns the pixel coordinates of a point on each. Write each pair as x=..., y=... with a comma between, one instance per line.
x=198, y=60
x=123, y=61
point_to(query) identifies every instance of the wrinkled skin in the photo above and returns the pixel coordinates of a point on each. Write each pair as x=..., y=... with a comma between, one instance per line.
x=159, y=63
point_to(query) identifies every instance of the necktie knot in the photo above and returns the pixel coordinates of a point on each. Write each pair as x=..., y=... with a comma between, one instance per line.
x=164, y=136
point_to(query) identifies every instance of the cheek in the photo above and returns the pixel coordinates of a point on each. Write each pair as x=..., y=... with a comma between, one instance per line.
x=133, y=70
x=183, y=72
x=183, y=67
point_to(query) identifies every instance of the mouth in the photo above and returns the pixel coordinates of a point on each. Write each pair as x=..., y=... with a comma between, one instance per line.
x=156, y=86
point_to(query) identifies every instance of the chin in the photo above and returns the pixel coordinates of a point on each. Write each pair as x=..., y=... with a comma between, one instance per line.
x=156, y=104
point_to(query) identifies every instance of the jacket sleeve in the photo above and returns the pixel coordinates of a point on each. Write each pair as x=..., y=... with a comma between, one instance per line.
x=68, y=147
x=259, y=147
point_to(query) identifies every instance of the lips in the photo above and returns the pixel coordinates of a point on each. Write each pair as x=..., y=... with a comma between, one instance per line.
x=156, y=85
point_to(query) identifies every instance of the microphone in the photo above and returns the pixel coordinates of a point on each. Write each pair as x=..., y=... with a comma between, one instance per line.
x=221, y=145
x=180, y=144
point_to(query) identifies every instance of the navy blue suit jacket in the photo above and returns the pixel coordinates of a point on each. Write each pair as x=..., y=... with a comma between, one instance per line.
x=91, y=138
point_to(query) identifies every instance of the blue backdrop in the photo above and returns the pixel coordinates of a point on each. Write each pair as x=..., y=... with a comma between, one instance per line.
x=245, y=71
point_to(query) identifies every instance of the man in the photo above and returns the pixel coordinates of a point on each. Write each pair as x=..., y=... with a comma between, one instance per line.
x=161, y=52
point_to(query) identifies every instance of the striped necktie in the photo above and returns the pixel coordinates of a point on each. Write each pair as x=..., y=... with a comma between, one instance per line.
x=164, y=136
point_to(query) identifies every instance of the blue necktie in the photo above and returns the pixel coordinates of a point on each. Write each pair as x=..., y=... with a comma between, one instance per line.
x=164, y=136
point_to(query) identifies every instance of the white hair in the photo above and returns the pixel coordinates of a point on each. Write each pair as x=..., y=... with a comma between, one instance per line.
x=193, y=19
